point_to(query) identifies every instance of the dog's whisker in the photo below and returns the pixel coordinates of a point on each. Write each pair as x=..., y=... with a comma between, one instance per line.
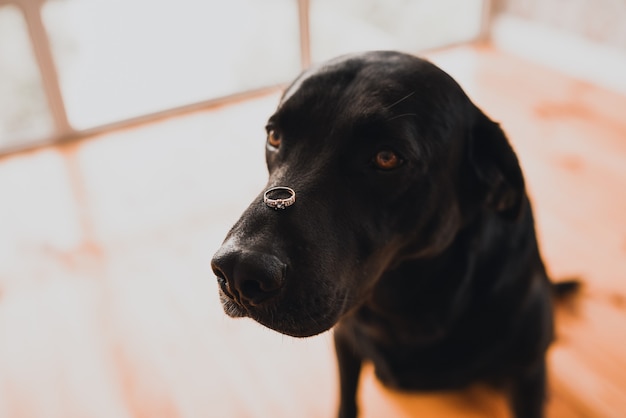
x=400, y=101
x=401, y=116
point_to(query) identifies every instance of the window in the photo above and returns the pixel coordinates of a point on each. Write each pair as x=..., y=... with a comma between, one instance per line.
x=71, y=67
x=118, y=59
x=24, y=114
x=341, y=26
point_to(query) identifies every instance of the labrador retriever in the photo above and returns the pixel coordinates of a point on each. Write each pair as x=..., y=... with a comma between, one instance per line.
x=395, y=212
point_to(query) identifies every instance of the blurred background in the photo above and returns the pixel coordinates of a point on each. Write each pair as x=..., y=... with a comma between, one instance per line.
x=131, y=138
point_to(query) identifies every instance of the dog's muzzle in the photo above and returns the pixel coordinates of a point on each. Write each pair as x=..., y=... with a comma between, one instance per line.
x=279, y=197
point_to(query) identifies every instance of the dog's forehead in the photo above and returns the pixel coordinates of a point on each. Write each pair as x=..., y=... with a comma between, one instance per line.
x=364, y=79
x=380, y=83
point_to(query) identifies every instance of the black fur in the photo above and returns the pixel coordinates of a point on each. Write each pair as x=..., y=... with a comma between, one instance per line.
x=429, y=269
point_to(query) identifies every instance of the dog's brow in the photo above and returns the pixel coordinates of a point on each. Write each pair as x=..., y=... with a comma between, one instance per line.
x=400, y=101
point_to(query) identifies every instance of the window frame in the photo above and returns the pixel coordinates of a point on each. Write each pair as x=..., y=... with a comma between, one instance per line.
x=64, y=132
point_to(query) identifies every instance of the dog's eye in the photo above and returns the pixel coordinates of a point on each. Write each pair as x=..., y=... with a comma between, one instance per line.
x=273, y=138
x=387, y=160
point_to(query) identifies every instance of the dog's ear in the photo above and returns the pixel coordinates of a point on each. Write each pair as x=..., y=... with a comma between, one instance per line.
x=495, y=175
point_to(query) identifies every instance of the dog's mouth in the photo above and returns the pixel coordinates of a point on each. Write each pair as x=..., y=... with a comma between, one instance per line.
x=231, y=307
x=303, y=318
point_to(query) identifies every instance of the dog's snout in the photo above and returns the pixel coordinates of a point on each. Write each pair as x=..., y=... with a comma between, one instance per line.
x=249, y=277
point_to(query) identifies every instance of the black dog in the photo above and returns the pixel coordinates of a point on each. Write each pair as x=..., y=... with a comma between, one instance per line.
x=411, y=232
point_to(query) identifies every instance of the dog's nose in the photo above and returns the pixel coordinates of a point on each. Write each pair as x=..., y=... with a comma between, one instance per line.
x=249, y=277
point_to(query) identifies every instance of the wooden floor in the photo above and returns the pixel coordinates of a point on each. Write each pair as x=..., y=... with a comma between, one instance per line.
x=108, y=307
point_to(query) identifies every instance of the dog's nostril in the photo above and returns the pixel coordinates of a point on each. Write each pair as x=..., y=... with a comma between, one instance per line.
x=256, y=291
x=223, y=284
x=247, y=276
x=253, y=291
x=219, y=276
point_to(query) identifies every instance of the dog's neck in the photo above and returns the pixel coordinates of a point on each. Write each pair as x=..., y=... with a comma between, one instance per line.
x=429, y=295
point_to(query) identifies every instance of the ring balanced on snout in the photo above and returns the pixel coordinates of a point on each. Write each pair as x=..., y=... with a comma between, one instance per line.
x=412, y=236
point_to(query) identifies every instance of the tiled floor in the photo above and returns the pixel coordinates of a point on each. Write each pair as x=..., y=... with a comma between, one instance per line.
x=108, y=307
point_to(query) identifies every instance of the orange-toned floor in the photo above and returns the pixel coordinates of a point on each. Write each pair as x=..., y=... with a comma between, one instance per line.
x=108, y=307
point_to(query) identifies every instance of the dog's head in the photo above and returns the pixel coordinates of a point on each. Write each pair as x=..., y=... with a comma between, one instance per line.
x=388, y=159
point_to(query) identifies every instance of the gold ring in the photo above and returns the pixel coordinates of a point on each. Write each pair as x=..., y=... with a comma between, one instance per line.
x=276, y=202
